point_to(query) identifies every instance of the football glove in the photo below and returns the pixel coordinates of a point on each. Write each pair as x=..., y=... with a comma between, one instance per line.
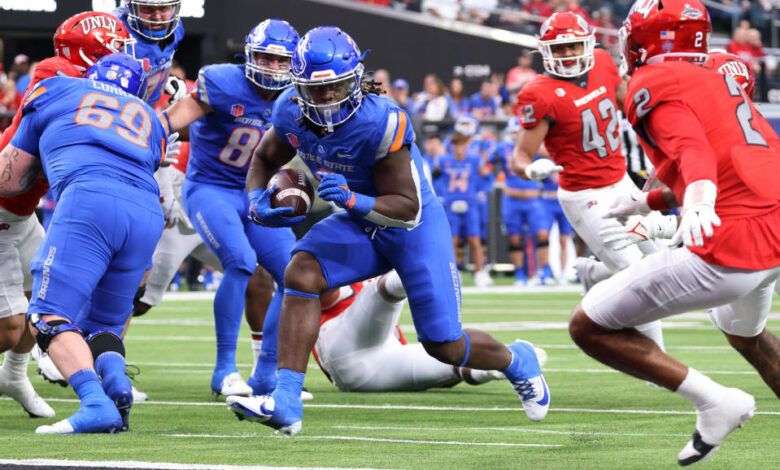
x=625, y=205
x=652, y=226
x=169, y=210
x=176, y=87
x=261, y=213
x=333, y=187
x=172, y=150
x=541, y=169
x=698, y=215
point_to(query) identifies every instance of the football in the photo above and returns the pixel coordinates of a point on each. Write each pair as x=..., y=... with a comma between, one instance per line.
x=293, y=189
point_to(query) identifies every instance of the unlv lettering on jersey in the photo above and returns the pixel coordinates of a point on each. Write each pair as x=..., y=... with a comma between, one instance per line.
x=94, y=22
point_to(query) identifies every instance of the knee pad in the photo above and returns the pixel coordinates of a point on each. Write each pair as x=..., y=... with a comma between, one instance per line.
x=515, y=248
x=102, y=341
x=48, y=330
x=543, y=244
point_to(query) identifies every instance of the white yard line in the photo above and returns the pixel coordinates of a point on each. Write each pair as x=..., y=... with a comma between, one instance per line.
x=512, y=429
x=414, y=408
x=129, y=464
x=374, y=439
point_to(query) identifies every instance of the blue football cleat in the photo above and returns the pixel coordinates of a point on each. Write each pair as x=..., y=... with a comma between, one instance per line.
x=284, y=417
x=97, y=417
x=528, y=381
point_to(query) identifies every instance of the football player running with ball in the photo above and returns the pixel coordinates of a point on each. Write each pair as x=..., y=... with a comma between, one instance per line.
x=719, y=156
x=362, y=148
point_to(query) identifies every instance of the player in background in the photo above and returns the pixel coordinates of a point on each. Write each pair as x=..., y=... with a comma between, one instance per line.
x=554, y=215
x=230, y=111
x=78, y=42
x=719, y=156
x=99, y=145
x=462, y=172
x=157, y=28
x=573, y=110
x=521, y=209
x=361, y=146
x=360, y=347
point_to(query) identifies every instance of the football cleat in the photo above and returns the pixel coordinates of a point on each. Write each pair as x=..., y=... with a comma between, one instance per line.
x=21, y=390
x=306, y=395
x=265, y=410
x=97, y=417
x=139, y=395
x=714, y=424
x=482, y=279
x=528, y=380
x=47, y=369
x=231, y=384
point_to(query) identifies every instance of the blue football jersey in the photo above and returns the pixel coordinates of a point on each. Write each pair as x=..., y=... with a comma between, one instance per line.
x=503, y=153
x=83, y=129
x=222, y=142
x=377, y=128
x=157, y=62
x=461, y=177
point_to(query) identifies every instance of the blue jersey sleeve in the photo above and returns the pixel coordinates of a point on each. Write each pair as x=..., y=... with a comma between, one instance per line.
x=210, y=88
x=395, y=134
x=283, y=117
x=29, y=132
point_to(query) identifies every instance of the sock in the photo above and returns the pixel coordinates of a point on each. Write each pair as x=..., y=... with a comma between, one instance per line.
x=228, y=311
x=290, y=383
x=110, y=366
x=257, y=345
x=271, y=324
x=264, y=379
x=15, y=364
x=87, y=386
x=208, y=277
x=653, y=331
x=700, y=390
x=512, y=368
x=474, y=376
x=547, y=272
x=520, y=275
x=177, y=279
x=394, y=286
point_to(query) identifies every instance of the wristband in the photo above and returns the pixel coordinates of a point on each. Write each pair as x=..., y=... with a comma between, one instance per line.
x=360, y=204
x=655, y=200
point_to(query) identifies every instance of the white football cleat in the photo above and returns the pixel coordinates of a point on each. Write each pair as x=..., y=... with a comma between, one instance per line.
x=306, y=395
x=139, y=395
x=714, y=424
x=21, y=390
x=47, y=369
x=482, y=279
x=233, y=384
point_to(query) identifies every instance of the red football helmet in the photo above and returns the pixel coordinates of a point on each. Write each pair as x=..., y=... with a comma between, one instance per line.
x=734, y=65
x=657, y=31
x=566, y=28
x=88, y=36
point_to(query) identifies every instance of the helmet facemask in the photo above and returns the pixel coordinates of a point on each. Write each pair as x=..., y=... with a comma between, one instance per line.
x=568, y=67
x=331, y=100
x=262, y=74
x=146, y=28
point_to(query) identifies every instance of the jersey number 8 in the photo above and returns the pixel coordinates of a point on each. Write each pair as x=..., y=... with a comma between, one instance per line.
x=240, y=146
x=137, y=134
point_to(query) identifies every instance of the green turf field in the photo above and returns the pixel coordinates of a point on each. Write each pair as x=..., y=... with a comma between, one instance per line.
x=598, y=418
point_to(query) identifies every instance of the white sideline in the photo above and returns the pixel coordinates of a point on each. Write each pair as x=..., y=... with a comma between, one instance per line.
x=130, y=464
x=413, y=407
x=373, y=439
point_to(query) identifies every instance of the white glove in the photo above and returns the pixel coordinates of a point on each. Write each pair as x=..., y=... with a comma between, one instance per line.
x=172, y=150
x=628, y=204
x=169, y=210
x=698, y=213
x=176, y=87
x=541, y=169
x=652, y=226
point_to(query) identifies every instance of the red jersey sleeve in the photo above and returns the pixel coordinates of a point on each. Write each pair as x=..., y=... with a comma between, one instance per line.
x=532, y=106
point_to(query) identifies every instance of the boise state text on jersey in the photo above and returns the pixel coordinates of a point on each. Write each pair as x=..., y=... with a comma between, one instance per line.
x=157, y=62
x=368, y=136
x=111, y=131
x=222, y=142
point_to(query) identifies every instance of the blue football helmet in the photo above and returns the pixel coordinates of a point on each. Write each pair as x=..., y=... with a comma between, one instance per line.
x=121, y=70
x=158, y=29
x=327, y=72
x=275, y=37
x=467, y=125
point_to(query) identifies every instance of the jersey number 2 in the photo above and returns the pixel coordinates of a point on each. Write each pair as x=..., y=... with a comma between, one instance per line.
x=744, y=114
x=591, y=139
x=132, y=130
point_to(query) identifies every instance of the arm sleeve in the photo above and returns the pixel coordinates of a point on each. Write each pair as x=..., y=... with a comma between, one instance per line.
x=207, y=89
x=677, y=132
x=397, y=133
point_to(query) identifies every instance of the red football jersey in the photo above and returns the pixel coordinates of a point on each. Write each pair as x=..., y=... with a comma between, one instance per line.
x=25, y=203
x=698, y=124
x=584, y=135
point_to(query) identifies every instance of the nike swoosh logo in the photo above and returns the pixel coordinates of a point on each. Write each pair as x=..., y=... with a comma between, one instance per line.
x=546, y=398
x=342, y=155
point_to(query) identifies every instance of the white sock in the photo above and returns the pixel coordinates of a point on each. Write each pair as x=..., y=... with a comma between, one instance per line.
x=15, y=363
x=478, y=377
x=700, y=390
x=257, y=344
x=653, y=331
x=394, y=286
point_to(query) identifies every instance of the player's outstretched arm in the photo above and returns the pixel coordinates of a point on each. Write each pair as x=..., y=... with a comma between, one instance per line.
x=270, y=155
x=18, y=171
x=183, y=113
x=528, y=143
